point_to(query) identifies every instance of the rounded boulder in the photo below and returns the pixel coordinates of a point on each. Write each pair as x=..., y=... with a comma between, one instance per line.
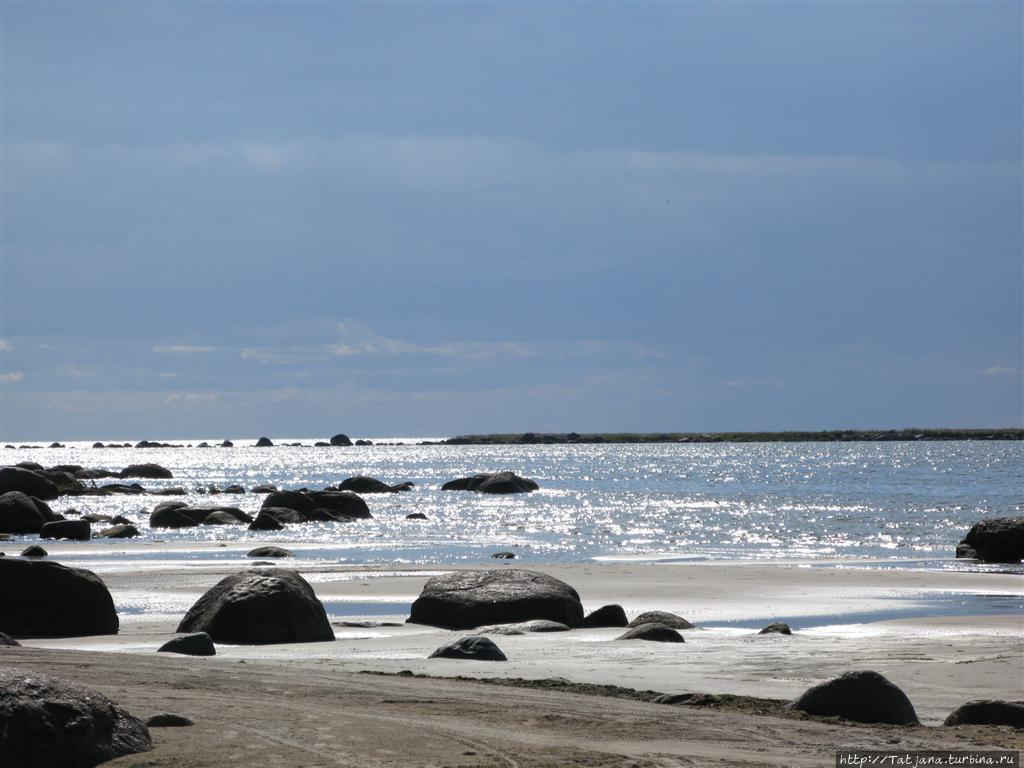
x=863, y=696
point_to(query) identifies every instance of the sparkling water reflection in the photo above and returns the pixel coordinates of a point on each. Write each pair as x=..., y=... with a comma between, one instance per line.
x=765, y=500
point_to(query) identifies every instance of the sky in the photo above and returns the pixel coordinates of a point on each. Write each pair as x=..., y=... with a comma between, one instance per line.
x=429, y=219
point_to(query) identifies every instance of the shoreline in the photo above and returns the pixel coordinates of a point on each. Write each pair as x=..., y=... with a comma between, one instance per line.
x=940, y=659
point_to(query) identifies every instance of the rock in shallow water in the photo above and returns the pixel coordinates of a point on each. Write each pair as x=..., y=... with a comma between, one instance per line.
x=988, y=712
x=996, y=540
x=54, y=723
x=194, y=644
x=661, y=617
x=494, y=482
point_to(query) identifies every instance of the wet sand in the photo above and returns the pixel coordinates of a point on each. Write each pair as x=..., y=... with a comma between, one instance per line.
x=313, y=704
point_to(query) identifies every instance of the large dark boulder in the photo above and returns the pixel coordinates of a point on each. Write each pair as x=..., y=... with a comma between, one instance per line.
x=495, y=482
x=258, y=607
x=997, y=540
x=862, y=696
x=194, y=644
x=988, y=712
x=664, y=618
x=28, y=482
x=6, y=639
x=167, y=514
x=340, y=439
x=266, y=522
x=177, y=514
x=468, y=599
x=77, y=530
x=341, y=503
x=20, y=513
x=655, y=632
x=41, y=598
x=296, y=500
x=264, y=442
x=49, y=722
x=151, y=471
x=606, y=616
x=470, y=648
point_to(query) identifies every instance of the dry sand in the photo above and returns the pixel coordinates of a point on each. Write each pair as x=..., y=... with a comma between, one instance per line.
x=312, y=704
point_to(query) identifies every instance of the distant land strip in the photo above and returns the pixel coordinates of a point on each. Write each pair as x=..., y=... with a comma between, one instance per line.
x=831, y=436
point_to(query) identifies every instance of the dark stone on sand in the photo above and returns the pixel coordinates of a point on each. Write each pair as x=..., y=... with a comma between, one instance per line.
x=264, y=442
x=269, y=552
x=168, y=720
x=124, y=531
x=988, y=712
x=194, y=644
x=470, y=648
x=46, y=599
x=257, y=607
x=6, y=639
x=76, y=530
x=495, y=482
x=34, y=550
x=654, y=632
x=776, y=628
x=416, y=516
x=997, y=539
x=504, y=555
x=468, y=599
x=340, y=439
x=149, y=471
x=661, y=617
x=20, y=513
x=27, y=481
x=46, y=721
x=863, y=696
x=607, y=616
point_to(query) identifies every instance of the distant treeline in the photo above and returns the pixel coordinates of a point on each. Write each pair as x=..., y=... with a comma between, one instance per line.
x=832, y=436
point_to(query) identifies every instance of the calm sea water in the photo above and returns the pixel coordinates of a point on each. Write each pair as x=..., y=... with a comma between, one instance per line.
x=766, y=500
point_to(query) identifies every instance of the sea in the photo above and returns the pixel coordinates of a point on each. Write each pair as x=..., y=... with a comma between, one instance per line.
x=904, y=503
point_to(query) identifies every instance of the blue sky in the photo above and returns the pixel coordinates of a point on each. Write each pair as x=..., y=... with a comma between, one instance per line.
x=429, y=219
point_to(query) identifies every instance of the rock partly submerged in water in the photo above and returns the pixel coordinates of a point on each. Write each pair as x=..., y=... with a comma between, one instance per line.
x=495, y=482
x=75, y=530
x=27, y=481
x=776, y=628
x=862, y=696
x=49, y=722
x=21, y=513
x=468, y=599
x=47, y=599
x=259, y=607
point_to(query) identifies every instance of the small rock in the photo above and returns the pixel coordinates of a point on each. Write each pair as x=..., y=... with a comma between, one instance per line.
x=776, y=628
x=473, y=648
x=606, y=616
x=193, y=644
x=269, y=552
x=168, y=720
x=664, y=618
x=34, y=551
x=504, y=555
x=654, y=632
x=416, y=516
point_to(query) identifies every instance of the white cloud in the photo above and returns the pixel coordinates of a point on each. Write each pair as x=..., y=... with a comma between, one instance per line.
x=12, y=377
x=77, y=371
x=358, y=339
x=192, y=398
x=1000, y=370
x=182, y=349
x=6, y=346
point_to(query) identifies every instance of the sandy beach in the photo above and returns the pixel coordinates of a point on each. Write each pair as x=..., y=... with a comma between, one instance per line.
x=315, y=704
